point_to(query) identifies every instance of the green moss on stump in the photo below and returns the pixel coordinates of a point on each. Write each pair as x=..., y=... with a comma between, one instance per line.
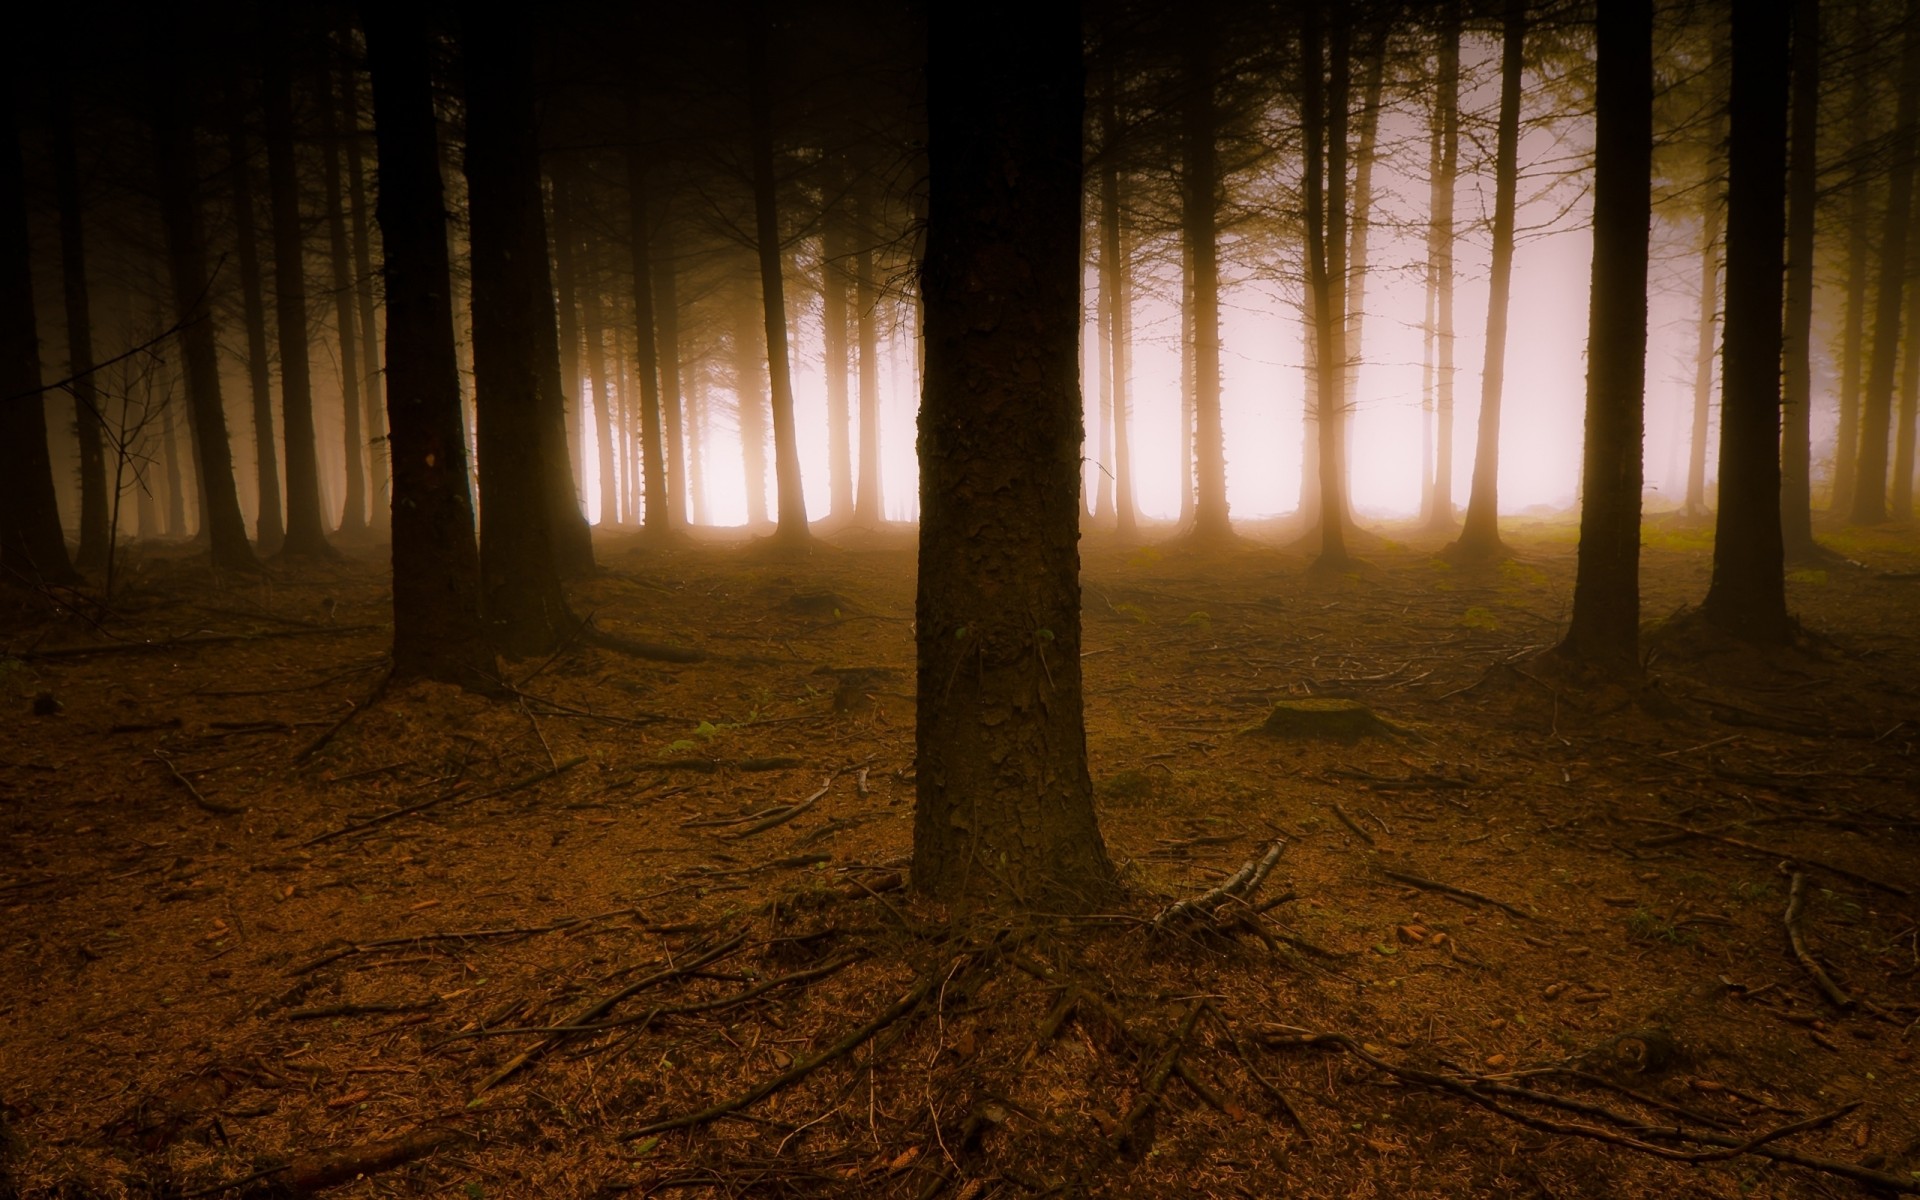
x=1334, y=720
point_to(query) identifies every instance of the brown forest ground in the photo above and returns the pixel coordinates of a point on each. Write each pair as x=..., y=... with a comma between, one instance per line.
x=197, y=986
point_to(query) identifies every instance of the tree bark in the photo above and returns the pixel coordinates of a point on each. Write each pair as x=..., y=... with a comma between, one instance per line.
x=179, y=182
x=437, y=630
x=353, y=517
x=306, y=528
x=1004, y=802
x=1440, y=509
x=371, y=376
x=89, y=426
x=1480, y=531
x=1870, y=473
x=1803, y=169
x=1605, y=627
x=656, y=509
x=791, y=499
x=1748, y=594
x=269, y=528
x=1199, y=226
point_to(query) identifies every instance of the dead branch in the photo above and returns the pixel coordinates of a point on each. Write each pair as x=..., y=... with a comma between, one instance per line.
x=205, y=639
x=1771, y=852
x=788, y=813
x=517, y=785
x=1156, y=1081
x=1796, y=898
x=206, y=805
x=1238, y=887
x=310, y=1173
x=1434, y=885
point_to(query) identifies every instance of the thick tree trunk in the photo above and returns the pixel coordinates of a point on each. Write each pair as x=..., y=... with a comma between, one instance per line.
x=525, y=608
x=866, y=502
x=1605, y=628
x=1748, y=594
x=1870, y=473
x=353, y=518
x=1004, y=802
x=32, y=546
x=1860, y=106
x=306, y=527
x=1116, y=296
x=437, y=630
x=1480, y=531
x=1803, y=169
x=1440, y=509
x=657, y=510
x=1323, y=124
x=1199, y=227
x=791, y=498
x=749, y=377
x=1703, y=358
x=88, y=423
x=269, y=529
x=179, y=181
x=375, y=428
x=666, y=324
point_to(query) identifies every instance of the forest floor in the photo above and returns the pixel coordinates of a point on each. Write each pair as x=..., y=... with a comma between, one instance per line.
x=250, y=950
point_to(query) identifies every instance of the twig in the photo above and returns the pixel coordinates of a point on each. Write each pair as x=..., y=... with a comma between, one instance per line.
x=800, y=1069
x=359, y=1010
x=1434, y=885
x=1350, y=823
x=1796, y=898
x=458, y=935
x=1239, y=886
x=517, y=785
x=222, y=810
x=1771, y=852
x=309, y=1173
x=353, y=710
x=777, y=819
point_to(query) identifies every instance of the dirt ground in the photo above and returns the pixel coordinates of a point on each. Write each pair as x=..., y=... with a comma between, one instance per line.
x=469, y=947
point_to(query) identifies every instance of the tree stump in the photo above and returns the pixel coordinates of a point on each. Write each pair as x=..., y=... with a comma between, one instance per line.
x=1324, y=718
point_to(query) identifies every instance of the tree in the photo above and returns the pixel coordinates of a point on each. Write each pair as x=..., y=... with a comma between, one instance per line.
x=269, y=530
x=1440, y=512
x=1116, y=299
x=1480, y=530
x=353, y=517
x=437, y=632
x=1323, y=121
x=1199, y=227
x=657, y=514
x=866, y=298
x=1803, y=169
x=1748, y=594
x=1004, y=801
x=1605, y=628
x=31, y=543
x=95, y=544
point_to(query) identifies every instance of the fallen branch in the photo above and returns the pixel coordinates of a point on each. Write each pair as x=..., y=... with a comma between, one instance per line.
x=799, y=1070
x=1771, y=852
x=1434, y=885
x=1156, y=1081
x=1796, y=898
x=200, y=801
x=458, y=935
x=1238, y=887
x=310, y=1173
x=206, y=639
x=788, y=813
x=359, y=1010
x=517, y=785
x=353, y=710
x=1347, y=820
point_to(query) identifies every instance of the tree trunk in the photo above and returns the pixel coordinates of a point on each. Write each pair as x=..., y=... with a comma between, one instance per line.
x=1428, y=339
x=526, y=610
x=1323, y=112
x=89, y=426
x=1748, y=594
x=749, y=366
x=1480, y=531
x=866, y=502
x=1188, y=353
x=594, y=376
x=353, y=518
x=568, y=311
x=1359, y=229
x=269, y=529
x=1199, y=226
x=179, y=182
x=792, y=500
x=1803, y=168
x=1440, y=233
x=437, y=630
x=1901, y=507
x=834, y=249
x=371, y=376
x=1116, y=297
x=1605, y=628
x=1004, y=801
x=306, y=528
x=666, y=324
x=1846, y=442
x=177, y=526
x=32, y=545
x=1870, y=473
x=696, y=450
x=1703, y=358
x=646, y=361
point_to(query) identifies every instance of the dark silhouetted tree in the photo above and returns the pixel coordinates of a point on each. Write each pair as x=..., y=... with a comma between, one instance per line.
x=88, y=424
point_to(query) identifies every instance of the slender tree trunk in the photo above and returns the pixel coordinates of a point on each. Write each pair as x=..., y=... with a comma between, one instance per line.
x=834, y=249
x=1116, y=296
x=1870, y=474
x=1605, y=628
x=1323, y=123
x=1359, y=231
x=1748, y=594
x=749, y=366
x=1803, y=168
x=646, y=360
x=1199, y=225
x=792, y=500
x=1440, y=233
x=666, y=324
x=177, y=525
x=32, y=545
x=697, y=408
x=564, y=244
x=1480, y=531
x=866, y=503
x=437, y=630
x=306, y=527
x=375, y=428
x=1189, y=351
x=1103, y=365
x=595, y=376
x=95, y=541
x=353, y=519
x=1901, y=506
x=179, y=182
x=1429, y=336
x=1846, y=442
x=1005, y=805
x=269, y=529
x=1703, y=359
x=526, y=610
